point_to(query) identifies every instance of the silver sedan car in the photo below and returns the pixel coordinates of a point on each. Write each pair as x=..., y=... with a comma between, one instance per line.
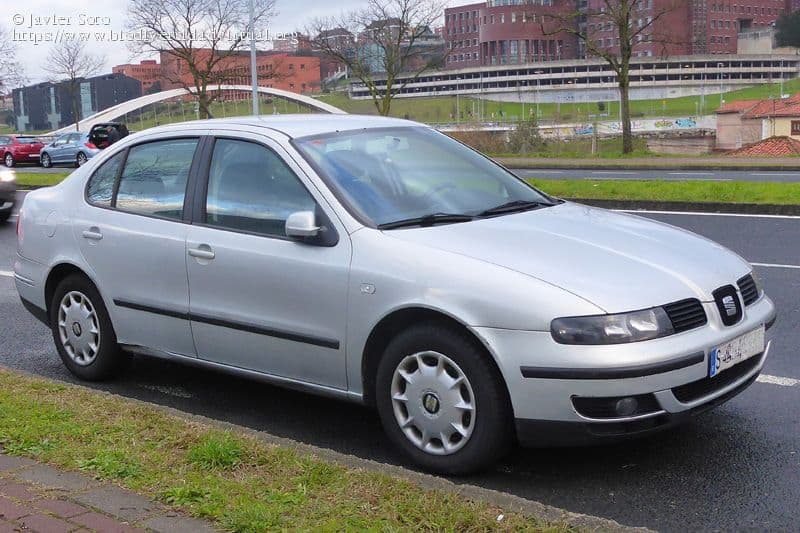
x=378, y=261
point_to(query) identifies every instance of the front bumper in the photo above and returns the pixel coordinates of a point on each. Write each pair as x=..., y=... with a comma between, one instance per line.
x=8, y=196
x=669, y=374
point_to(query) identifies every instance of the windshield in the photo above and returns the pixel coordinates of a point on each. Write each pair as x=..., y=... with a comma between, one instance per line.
x=393, y=174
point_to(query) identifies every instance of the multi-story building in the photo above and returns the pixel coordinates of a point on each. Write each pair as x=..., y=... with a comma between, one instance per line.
x=290, y=72
x=148, y=72
x=507, y=32
x=498, y=32
x=46, y=106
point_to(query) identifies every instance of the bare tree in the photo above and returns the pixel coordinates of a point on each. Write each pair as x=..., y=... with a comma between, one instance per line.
x=632, y=24
x=386, y=38
x=11, y=73
x=69, y=62
x=201, y=35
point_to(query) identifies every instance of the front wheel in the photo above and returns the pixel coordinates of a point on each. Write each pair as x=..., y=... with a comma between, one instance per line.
x=80, y=159
x=442, y=401
x=46, y=161
x=83, y=332
x=9, y=160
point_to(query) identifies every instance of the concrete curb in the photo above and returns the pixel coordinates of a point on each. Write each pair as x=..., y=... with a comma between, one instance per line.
x=506, y=501
x=700, y=207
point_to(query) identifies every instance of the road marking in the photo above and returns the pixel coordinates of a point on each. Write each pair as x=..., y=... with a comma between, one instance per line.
x=6, y=273
x=534, y=171
x=612, y=172
x=690, y=173
x=777, y=380
x=703, y=214
x=775, y=265
x=774, y=174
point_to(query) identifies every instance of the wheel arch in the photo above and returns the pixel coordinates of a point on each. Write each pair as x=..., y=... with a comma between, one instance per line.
x=57, y=273
x=399, y=320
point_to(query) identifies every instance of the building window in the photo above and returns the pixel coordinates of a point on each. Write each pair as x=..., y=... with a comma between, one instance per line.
x=302, y=66
x=513, y=17
x=795, y=127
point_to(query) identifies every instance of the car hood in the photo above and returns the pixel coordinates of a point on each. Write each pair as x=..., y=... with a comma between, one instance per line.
x=616, y=261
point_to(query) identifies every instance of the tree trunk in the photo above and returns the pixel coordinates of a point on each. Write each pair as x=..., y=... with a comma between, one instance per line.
x=203, y=104
x=625, y=112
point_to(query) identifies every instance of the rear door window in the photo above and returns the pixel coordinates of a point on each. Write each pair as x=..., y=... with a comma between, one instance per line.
x=154, y=179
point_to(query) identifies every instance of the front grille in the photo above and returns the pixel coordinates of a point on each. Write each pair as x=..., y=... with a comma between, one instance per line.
x=748, y=288
x=703, y=387
x=686, y=314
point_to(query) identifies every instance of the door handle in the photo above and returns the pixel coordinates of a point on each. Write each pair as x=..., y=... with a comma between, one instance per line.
x=92, y=234
x=204, y=252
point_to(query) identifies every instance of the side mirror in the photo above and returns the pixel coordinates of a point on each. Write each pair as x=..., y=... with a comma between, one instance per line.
x=302, y=224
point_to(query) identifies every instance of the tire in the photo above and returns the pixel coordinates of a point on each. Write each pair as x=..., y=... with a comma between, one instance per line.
x=74, y=343
x=46, y=161
x=80, y=159
x=5, y=216
x=8, y=159
x=486, y=431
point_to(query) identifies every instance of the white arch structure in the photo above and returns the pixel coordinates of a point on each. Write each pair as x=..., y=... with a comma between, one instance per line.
x=108, y=115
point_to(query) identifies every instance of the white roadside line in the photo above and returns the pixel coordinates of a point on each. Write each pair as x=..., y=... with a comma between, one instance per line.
x=776, y=265
x=777, y=380
x=690, y=173
x=638, y=178
x=611, y=172
x=700, y=213
x=795, y=174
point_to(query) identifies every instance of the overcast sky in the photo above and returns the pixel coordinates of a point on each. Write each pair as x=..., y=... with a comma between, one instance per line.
x=91, y=16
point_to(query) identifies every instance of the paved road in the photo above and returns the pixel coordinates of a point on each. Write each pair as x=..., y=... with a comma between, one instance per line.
x=736, y=468
x=668, y=174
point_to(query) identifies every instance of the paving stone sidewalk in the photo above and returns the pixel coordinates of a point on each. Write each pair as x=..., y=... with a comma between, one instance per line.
x=41, y=499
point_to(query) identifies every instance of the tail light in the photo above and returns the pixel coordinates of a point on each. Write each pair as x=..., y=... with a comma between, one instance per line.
x=90, y=145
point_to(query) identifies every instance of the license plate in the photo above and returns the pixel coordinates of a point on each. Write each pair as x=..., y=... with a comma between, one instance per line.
x=735, y=351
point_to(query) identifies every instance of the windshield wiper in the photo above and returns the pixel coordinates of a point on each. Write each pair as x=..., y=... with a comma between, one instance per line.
x=427, y=220
x=513, y=206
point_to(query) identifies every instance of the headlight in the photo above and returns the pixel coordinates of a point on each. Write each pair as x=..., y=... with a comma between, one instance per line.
x=7, y=175
x=612, y=329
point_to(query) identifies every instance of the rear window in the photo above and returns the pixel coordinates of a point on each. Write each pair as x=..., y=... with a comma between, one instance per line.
x=27, y=140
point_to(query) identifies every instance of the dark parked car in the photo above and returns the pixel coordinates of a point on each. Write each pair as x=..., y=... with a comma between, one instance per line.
x=8, y=193
x=105, y=134
x=20, y=149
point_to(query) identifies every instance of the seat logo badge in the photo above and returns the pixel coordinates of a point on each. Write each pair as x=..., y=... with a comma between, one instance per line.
x=431, y=403
x=730, y=305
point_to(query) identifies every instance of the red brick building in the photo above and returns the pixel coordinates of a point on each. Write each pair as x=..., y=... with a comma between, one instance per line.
x=497, y=32
x=501, y=32
x=290, y=72
x=148, y=72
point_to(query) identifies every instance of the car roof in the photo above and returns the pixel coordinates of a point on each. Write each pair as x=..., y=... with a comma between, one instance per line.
x=298, y=125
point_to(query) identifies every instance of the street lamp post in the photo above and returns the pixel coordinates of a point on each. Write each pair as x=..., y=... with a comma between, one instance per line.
x=721, y=99
x=253, y=73
x=458, y=107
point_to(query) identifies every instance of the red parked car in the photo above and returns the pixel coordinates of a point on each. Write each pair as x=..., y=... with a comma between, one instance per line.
x=20, y=149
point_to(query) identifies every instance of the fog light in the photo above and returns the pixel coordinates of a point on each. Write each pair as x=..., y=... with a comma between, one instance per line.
x=626, y=406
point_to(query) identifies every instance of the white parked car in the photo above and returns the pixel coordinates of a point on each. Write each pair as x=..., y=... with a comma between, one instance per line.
x=376, y=260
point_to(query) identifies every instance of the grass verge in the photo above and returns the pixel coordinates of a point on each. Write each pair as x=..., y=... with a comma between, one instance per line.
x=236, y=480
x=734, y=192
x=39, y=179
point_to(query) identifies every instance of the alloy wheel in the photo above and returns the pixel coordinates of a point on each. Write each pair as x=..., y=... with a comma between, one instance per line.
x=81, y=158
x=45, y=161
x=433, y=402
x=79, y=328
x=9, y=160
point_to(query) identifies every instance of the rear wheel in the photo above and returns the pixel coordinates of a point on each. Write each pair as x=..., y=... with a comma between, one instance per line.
x=80, y=159
x=442, y=401
x=9, y=160
x=46, y=161
x=83, y=332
